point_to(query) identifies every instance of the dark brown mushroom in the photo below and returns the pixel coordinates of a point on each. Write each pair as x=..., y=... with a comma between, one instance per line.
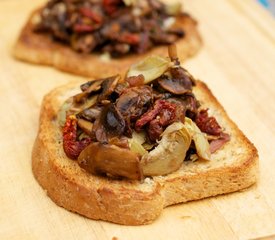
x=112, y=120
x=86, y=85
x=90, y=114
x=89, y=87
x=191, y=105
x=176, y=85
x=119, y=89
x=134, y=101
x=181, y=73
x=110, y=159
x=108, y=86
x=99, y=132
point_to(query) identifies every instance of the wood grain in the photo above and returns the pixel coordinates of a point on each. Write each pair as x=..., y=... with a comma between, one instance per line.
x=237, y=62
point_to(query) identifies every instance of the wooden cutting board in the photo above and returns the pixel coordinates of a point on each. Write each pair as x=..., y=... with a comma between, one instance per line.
x=237, y=62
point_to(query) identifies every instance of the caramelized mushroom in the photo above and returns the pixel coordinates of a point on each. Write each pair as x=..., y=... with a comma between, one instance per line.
x=89, y=87
x=134, y=101
x=86, y=103
x=90, y=114
x=108, y=86
x=86, y=126
x=181, y=73
x=110, y=159
x=177, y=86
x=191, y=105
x=99, y=131
x=112, y=120
x=120, y=87
x=86, y=85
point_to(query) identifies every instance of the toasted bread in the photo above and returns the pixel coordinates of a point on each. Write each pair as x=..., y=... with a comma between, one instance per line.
x=232, y=168
x=41, y=49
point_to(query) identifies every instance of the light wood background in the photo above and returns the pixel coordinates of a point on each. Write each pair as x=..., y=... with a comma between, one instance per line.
x=237, y=62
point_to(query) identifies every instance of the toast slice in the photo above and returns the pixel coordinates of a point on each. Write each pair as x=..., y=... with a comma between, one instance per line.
x=41, y=49
x=232, y=168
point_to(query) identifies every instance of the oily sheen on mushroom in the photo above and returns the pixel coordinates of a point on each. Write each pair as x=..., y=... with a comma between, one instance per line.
x=146, y=124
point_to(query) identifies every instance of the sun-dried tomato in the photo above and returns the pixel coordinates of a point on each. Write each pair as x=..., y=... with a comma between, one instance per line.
x=73, y=147
x=155, y=129
x=165, y=110
x=111, y=6
x=129, y=38
x=89, y=13
x=208, y=124
x=83, y=28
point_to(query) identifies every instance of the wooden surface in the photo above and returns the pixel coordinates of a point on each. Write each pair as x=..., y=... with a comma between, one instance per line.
x=237, y=62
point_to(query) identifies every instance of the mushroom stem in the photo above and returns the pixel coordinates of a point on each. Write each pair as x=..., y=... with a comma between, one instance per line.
x=172, y=51
x=85, y=125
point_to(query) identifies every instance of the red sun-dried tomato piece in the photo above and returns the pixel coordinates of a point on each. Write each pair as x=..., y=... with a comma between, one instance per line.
x=111, y=6
x=129, y=38
x=83, y=28
x=208, y=124
x=165, y=111
x=89, y=13
x=72, y=147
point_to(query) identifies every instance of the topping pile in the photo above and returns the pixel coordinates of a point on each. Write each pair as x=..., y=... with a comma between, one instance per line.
x=143, y=125
x=117, y=27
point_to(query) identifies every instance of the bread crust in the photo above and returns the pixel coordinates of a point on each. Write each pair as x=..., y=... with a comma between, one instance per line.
x=41, y=49
x=234, y=167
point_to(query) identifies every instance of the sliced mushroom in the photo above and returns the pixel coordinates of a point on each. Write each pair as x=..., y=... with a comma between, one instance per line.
x=177, y=86
x=79, y=107
x=93, y=86
x=191, y=105
x=179, y=72
x=86, y=85
x=86, y=126
x=135, y=101
x=112, y=120
x=100, y=132
x=108, y=86
x=90, y=114
x=120, y=87
x=110, y=159
x=168, y=156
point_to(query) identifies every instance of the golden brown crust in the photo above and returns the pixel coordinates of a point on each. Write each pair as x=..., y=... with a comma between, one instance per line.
x=234, y=167
x=40, y=49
